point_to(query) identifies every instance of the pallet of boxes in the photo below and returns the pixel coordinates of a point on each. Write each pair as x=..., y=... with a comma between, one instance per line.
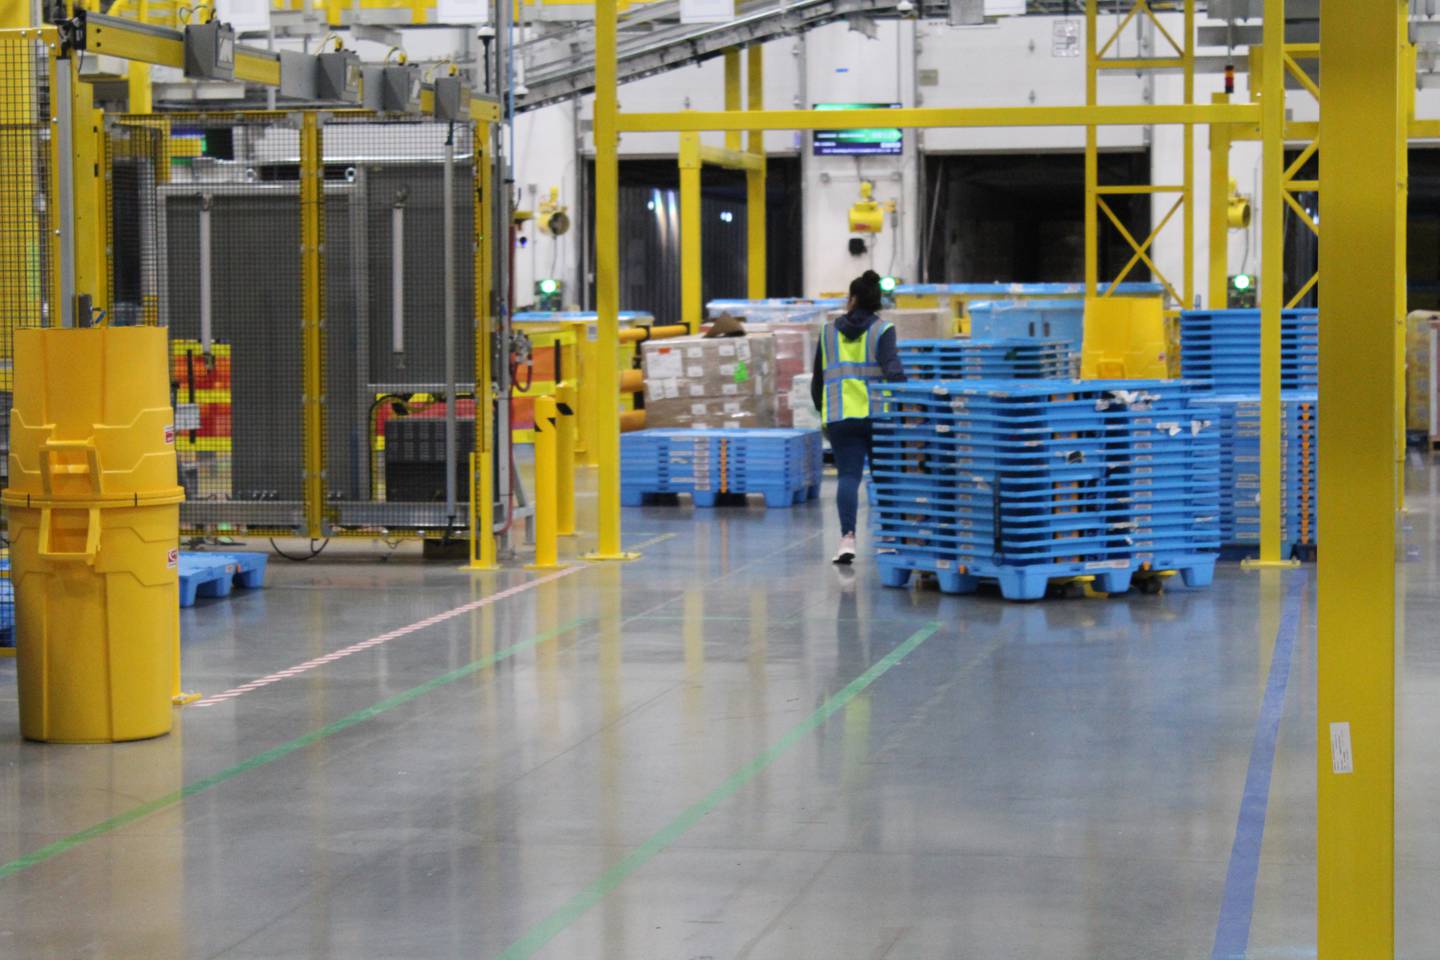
x=710, y=407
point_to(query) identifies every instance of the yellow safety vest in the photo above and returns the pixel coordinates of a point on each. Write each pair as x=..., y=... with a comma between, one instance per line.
x=850, y=367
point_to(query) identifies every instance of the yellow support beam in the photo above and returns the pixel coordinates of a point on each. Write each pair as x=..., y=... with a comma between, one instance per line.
x=90, y=194
x=1361, y=259
x=732, y=94
x=312, y=319
x=1219, y=293
x=1187, y=251
x=691, y=291
x=1139, y=115
x=755, y=212
x=1272, y=284
x=1092, y=147
x=607, y=285
x=482, y=461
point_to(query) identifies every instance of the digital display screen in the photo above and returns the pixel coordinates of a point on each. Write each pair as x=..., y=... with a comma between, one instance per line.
x=877, y=142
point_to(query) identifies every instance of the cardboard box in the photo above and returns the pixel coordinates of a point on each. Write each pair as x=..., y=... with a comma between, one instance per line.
x=695, y=382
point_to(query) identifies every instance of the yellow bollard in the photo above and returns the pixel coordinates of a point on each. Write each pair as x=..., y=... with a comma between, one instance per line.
x=546, y=510
x=565, y=460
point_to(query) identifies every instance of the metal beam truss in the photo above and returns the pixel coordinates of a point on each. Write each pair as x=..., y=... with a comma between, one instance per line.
x=1099, y=59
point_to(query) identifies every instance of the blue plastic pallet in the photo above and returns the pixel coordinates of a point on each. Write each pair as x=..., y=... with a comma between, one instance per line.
x=213, y=575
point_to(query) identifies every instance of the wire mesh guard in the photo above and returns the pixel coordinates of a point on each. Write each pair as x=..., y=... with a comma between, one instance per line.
x=207, y=233
x=27, y=250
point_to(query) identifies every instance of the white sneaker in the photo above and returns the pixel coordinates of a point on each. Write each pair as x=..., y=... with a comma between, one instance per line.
x=846, y=554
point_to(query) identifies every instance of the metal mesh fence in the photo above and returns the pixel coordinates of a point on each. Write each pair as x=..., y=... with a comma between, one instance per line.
x=27, y=242
x=224, y=260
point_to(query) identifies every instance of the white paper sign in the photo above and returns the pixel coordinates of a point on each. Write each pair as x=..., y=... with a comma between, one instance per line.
x=1342, y=758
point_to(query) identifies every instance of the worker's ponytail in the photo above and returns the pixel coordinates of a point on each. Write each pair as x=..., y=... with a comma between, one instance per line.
x=865, y=290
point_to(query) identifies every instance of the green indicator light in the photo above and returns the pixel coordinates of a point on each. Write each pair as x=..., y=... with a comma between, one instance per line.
x=887, y=284
x=548, y=286
x=1242, y=281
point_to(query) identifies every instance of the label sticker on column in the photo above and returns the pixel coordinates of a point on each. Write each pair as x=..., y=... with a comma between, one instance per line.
x=1342, y=759
x=172, y=559
x=169, y=433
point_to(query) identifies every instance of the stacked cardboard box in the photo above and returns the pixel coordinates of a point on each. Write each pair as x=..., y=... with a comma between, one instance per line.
x=795, y=342
x=702, y=383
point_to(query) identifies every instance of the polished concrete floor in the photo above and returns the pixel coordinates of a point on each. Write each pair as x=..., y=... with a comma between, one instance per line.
x=726, y=749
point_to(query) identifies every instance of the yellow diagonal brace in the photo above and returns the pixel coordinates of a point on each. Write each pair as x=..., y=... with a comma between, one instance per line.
x=1305, y=290
x=1119, y=30
x=1144, y=5
x=1301, y=160
x=1140, y=255
x=1304, y=214
x=1140, y=248
x=1300, y=75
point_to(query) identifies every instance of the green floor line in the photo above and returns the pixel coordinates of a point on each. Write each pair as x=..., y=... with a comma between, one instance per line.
x=547, y=929
x=55, y=849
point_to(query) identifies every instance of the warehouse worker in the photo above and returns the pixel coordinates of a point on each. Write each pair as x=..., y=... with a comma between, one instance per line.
x=856, y=350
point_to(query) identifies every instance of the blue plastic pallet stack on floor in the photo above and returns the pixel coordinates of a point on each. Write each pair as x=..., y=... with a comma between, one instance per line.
x=214, y=575
x=668, y=461
x=1025, y=482
x=783, y=465
x=1223, y=346
x=7, y=605
x=986, y=359
x=1240, y=469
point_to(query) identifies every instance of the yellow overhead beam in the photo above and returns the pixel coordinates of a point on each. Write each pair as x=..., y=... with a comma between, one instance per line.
x=146, y=43
x=924, y=117
x=1361, y=259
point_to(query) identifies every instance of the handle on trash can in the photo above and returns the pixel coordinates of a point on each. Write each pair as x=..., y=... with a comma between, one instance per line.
x=92, y=537
x=49, y=469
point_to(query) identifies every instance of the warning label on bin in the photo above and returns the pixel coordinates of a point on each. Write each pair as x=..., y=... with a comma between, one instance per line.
x=172, y=559
x=169, y=433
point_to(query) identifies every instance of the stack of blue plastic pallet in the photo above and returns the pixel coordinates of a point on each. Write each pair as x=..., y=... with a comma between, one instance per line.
x=997, y=358
x=668, y=461
x=1223, y=346
x=782, y=465
x=1026, y=482
x=1240, y=468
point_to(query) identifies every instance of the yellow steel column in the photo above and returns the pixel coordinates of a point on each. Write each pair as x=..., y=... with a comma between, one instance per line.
x=755, y=179
x=137, y=78
x=1188, y=250
x=482, y=485
x=312, y=319
x=607, y=285
x=1272, y=280
x=1360, y=259
x=691, y=292
x=88, y=177
x=1219, y=293
x=732, y=94
x=1408, y=68
x=1092, y=157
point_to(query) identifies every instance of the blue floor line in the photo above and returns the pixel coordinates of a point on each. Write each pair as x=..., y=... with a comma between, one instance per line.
x=1237, y=905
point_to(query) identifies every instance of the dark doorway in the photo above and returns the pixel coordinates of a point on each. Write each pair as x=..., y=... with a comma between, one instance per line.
x=1021, y=217
x=650, y=233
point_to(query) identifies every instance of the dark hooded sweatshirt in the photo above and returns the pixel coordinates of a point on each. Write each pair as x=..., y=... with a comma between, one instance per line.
x=853, y=326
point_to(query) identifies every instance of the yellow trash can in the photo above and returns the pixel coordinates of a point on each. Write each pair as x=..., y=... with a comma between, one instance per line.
x=94, y=522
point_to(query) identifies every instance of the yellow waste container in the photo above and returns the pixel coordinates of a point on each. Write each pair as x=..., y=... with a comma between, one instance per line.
x=1125, y=338
x=94, y=522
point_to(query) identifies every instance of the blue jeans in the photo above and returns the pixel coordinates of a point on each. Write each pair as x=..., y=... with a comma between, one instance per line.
x=850, y=440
